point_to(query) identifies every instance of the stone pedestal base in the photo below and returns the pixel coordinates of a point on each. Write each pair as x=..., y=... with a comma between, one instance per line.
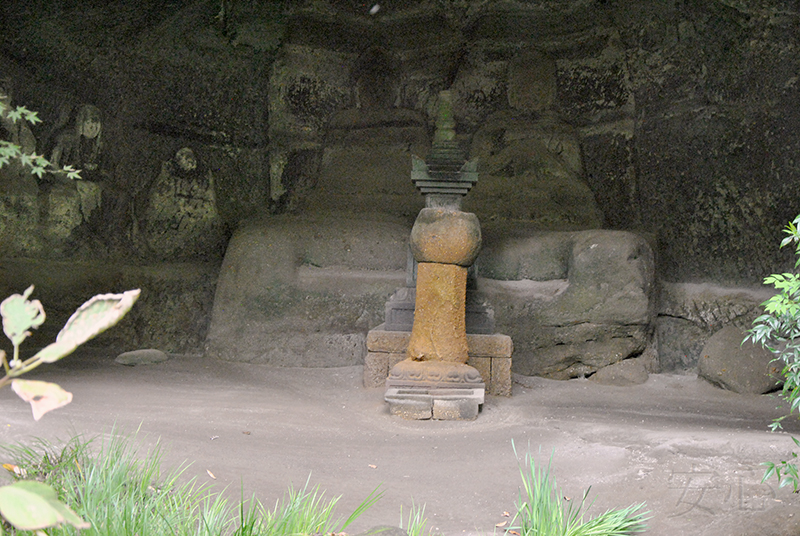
x=434, y=390
x=438, y=404
x=489, y=354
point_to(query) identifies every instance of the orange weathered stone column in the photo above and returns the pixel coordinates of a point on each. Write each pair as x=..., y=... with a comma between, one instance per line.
x=444, y=242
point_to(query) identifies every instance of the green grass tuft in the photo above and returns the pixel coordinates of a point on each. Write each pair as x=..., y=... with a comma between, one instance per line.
x=541, y=512
x=123, y=493
x=416, y=522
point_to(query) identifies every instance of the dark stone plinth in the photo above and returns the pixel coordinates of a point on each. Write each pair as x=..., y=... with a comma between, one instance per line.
x=400, y=312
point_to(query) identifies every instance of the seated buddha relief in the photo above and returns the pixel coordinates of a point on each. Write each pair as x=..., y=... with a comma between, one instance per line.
x=366, y=160
x=530, y=164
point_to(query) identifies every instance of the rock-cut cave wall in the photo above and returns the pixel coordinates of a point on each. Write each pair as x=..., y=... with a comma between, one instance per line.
x=685, y=115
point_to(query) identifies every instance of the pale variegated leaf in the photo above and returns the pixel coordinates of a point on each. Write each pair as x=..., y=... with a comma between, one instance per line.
x=42, y=396
x=89, y=320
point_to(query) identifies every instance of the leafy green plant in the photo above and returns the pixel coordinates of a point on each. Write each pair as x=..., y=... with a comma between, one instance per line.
x=120, y=490
x=542, y=510
x=37, y=164
x=33, y=505
x=20, y=315
x=416, y=522
x=778, y=330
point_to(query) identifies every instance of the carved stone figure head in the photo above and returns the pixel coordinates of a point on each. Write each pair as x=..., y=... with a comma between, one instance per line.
x=185, y=159
x=88, y=121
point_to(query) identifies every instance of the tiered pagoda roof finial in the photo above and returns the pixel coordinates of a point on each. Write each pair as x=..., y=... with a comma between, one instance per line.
x=446, y=176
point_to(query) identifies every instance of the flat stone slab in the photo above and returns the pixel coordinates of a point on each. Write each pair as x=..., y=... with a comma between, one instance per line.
x=439, y=404
x=147, y=356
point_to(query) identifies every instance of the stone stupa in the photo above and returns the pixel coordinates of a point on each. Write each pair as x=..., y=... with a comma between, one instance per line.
x=435, y=381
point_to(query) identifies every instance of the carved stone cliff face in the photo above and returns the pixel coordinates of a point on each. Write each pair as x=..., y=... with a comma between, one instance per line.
x=676, y=121
x=684, y=113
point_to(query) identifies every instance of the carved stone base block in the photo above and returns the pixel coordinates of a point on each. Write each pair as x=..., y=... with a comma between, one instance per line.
x=434, y=389
x=410, y=373
x=437, y=404
x=489, y=354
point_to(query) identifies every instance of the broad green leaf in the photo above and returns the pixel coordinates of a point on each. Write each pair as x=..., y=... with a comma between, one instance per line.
x=89, y=320
x=31, y=505
x=69, y=516
x=20, y=315
x=54, y=351
x=26, y=509
x=26, y=160
x=770, y=471
x=42, y=396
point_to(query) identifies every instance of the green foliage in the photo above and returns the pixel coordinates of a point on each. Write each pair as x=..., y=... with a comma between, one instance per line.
x=20, y=315
x=416, y=523
x=32, y=505
x=37, y=164
x=785, y=470
x=541, y=512
x=121, y=492
x=778, y=330
x=307, y=512
x=43, y=462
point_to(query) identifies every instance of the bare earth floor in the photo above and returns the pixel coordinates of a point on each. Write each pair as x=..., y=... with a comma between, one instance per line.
x=691, y=451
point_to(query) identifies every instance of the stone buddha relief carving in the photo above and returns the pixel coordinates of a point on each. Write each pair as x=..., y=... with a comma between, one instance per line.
x=367, y=149
x=529, y=159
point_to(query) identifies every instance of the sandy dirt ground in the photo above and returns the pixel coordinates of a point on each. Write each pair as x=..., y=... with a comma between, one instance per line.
x=692, y=452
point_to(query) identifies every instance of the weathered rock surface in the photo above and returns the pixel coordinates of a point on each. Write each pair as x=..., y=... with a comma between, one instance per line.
x=363, y=152
x=739, y=367
x=181, y=219
x=304, y=291
x=622, y=373
x=20, y=216
x=690, y=313
x=684, y=114
x=572, y=303
x=172, y=312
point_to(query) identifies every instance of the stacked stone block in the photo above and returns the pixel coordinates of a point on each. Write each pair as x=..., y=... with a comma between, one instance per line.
x=489, y=354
